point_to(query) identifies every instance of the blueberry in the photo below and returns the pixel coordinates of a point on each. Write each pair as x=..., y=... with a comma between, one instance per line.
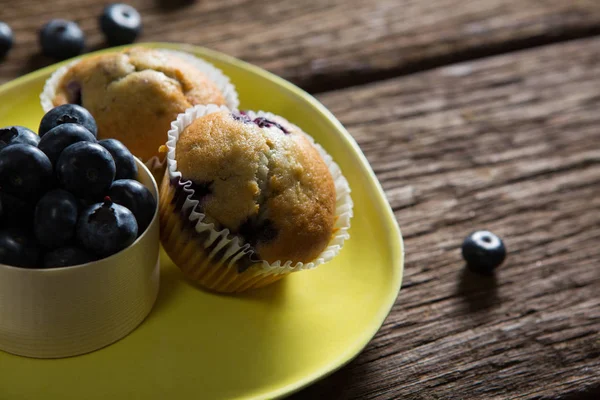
x=266, y=123
x=6, y=39
x=18, y=249
x=59, y=138
x=255, y=232
x=17, y=134
x=25, y=171
x=106, y=228
x=66, y=257
x=73, y=89
x=85, y=169
x=483, y=251
x=68, y=113
x=262, y=122
x=61, y=39
x=120, y=23
x=16, y=212
x=126, y=166
x=137, y=198
x=55, y=218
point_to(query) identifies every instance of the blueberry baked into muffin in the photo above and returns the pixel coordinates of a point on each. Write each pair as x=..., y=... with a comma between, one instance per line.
x=134, y=94
x=248, y=198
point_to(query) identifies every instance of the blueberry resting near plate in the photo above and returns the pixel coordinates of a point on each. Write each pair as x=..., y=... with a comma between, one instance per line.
x=68, y=113
x=18, y=249
x=17, y=134
x=106, y=228
x=25, y=171
x=55, y=218
x=59, y=138
x=126, y=166
x=120, y=23
x=85, y=169
x=66, y=257
x=137, y=198
x=61, y=39
x=483, y=251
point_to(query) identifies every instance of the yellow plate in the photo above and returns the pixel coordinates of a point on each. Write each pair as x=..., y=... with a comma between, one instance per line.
x=263, y=344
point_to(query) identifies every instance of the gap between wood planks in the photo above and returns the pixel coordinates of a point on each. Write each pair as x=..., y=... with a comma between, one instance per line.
x=326, y=83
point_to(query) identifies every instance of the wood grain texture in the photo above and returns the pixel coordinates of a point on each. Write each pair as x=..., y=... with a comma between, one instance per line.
x=510, y=144
x=322, y=44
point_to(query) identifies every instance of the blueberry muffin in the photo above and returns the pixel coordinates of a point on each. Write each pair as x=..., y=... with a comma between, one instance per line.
x=250, y=196
x=134, y=94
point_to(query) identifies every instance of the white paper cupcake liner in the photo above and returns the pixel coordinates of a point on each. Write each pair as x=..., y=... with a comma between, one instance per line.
x=213, y=73
x=229, y=244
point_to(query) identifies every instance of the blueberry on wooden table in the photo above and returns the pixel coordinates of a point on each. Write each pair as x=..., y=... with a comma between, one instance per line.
x=25, y=171
x=17, y=134
x=85, y=169
x=66, y=257
x=483, y=251
x=65, y=114
x=18, y=249
x=6, y=39
x=62, y=136
x=137, y=198
x=55, y=218
x=61, y=39
x=120, y=23
x=126, y=166
x=106, y=228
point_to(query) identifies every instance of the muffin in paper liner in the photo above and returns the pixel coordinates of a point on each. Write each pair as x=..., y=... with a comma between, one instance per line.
x=155, y=164
x=219, y=260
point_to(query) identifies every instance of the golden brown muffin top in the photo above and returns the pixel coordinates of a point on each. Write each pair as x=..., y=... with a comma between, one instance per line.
x=267, y=185
x=134, y=94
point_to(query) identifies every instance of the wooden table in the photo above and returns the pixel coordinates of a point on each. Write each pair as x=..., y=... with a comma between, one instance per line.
x=473, y=114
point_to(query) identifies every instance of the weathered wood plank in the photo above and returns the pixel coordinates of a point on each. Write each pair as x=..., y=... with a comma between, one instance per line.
x=323, y=44
x=511, y=144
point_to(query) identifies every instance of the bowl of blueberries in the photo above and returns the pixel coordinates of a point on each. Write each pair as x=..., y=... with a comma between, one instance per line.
x=79, y=237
